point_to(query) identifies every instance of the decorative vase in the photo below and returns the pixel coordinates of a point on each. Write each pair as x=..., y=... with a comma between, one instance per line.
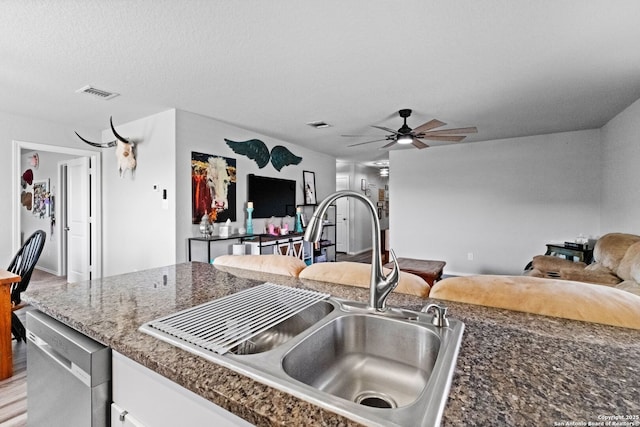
x=249, y=221
x=205, y=228
x=298, y=228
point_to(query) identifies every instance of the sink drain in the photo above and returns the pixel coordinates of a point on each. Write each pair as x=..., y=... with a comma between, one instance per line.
x=375, y=400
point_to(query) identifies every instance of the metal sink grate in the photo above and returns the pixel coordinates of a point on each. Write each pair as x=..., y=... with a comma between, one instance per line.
x=224, y=323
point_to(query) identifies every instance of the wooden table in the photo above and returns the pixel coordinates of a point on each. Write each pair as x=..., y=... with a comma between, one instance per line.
x=6, y=357
x=430, y=271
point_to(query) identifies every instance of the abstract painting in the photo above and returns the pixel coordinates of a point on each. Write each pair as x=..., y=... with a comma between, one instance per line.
x=213, y=187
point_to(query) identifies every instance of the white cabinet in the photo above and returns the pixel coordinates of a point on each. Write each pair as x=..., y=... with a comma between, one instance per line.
x=122, y=418
x=142, y=397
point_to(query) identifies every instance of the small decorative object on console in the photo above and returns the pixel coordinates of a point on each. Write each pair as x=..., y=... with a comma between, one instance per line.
x=298, y=228
x=225, y=229
x=205, y=228
x=249, y=219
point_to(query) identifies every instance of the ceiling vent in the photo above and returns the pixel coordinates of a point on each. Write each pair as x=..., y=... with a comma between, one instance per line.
x=99, y=93
x=319, y=125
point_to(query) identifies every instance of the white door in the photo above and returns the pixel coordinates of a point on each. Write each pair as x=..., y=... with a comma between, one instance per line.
x=78, y=220
x=342, y=216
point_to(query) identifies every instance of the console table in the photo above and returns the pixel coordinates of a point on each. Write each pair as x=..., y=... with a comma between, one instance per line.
x=261, y=240
x=430, y=271
x=209, y=240
x=582, y=252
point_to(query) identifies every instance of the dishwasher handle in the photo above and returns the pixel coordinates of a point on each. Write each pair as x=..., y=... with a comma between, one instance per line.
x=62, y=361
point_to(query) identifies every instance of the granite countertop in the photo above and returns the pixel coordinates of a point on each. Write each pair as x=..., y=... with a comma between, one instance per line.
x=513, y=368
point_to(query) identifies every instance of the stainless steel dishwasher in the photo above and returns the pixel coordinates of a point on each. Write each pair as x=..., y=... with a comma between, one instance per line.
x=68, y=376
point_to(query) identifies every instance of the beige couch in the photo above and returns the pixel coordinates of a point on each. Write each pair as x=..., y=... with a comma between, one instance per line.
x=343, y=273
x=606, y=291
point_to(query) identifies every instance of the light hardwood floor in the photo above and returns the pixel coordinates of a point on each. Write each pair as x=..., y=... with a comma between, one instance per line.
x=13, y=390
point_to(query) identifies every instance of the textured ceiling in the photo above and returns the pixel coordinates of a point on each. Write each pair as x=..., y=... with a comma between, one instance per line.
x=511, y=68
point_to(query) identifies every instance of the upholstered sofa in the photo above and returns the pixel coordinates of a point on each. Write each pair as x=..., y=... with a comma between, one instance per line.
x=607, y=291
x=343, y=273
x=569, y=299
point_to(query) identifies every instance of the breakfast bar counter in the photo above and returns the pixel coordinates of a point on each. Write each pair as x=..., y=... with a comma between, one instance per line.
x=513, y=368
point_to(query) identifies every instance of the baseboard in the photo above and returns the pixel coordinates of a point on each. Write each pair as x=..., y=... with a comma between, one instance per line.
x=455, y=273
x=48, y=270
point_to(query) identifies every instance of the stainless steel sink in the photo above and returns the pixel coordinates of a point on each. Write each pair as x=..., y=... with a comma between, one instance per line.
x=284, y=331
x=367, y=359
x=391, y=369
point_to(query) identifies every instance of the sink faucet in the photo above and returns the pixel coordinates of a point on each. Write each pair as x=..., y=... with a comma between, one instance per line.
x=380, y=285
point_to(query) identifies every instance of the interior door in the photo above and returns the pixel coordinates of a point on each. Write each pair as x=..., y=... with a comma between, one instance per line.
x=78, y=221
x=342, y=216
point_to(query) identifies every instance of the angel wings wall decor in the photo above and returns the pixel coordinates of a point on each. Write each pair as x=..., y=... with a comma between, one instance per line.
x=257, y=150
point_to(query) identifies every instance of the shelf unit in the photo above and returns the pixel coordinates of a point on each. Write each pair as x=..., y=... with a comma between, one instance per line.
x=325, y=249
x=289, y=244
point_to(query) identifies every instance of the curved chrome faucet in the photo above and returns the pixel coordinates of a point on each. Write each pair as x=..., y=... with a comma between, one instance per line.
x=380, y=285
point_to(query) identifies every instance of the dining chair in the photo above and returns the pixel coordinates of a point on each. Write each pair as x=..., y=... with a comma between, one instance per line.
x=23, y=264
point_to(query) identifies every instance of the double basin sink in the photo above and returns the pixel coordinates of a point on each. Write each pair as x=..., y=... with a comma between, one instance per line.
x=377, y=368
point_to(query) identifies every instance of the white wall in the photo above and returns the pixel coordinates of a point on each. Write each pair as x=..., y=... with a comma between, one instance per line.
x=138, y=233
x=47, y=170
x=206, y=135
x=620, y=177
x=500, y=201
x=19, y=128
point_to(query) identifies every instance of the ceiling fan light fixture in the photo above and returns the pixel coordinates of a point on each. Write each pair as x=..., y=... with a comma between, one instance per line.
x=404, y=139
x=384, y=172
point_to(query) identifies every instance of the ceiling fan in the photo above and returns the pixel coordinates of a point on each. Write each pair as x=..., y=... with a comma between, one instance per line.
x=406, y=135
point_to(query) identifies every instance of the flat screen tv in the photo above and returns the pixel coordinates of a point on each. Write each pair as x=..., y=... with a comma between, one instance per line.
x=271, y=196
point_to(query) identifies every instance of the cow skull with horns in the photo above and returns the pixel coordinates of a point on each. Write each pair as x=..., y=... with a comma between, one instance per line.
x=124, y=150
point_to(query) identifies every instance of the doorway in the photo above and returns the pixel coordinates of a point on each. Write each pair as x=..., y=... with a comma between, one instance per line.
x=342, y=215
x=90, y=201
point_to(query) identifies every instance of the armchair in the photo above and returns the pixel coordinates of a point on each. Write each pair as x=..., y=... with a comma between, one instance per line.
x=616, y=263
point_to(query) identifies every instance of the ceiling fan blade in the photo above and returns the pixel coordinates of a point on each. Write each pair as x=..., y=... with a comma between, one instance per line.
x=367, y=142
x=452, y=131
x=395, y=132
x=431, y=124
x=388, y=145
x=419, y=144
x=451, y=138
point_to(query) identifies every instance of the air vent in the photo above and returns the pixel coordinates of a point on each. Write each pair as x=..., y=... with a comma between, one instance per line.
x=319, y=125
x=99, y=93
